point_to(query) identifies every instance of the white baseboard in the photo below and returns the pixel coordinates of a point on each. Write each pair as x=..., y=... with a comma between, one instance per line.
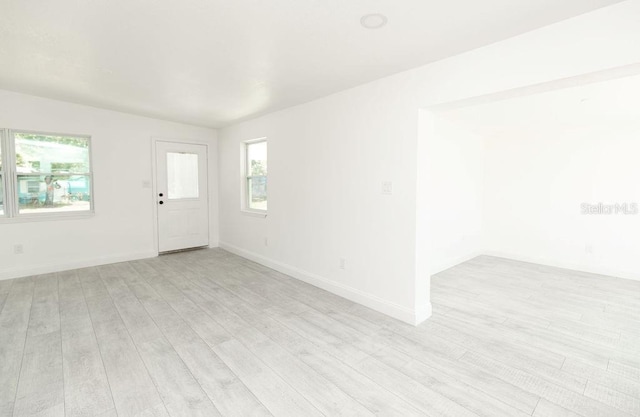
x=376, y=303
x=49, y=268
x=612, y=272
x=450, y=263
x=423, y=314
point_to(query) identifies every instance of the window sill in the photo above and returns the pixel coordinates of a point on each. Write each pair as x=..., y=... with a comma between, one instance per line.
x=28, y=218
x=252, y=213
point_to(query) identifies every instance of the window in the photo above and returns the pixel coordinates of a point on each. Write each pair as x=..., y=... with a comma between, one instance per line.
x=2, y=179
x=255, y=185
x=45, y=173
x=182, y=175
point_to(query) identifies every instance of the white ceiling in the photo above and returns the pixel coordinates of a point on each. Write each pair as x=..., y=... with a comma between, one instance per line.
x=214, y=62
x=608, y=103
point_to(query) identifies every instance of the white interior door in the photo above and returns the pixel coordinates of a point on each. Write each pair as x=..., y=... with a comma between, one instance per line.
x=182, y=196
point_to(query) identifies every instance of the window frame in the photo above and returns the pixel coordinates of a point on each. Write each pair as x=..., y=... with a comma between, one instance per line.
x=246, y=177
x=10, y=179
x=4, y=152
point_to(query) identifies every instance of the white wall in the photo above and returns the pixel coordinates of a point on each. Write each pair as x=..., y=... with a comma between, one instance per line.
x=546, y=155
x=123, y=225
x=454, y=174
x=329, y=157
x=536, y=183
x=327, y=161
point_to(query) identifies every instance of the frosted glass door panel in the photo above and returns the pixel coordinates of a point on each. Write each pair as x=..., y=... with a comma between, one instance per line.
x=182, y=175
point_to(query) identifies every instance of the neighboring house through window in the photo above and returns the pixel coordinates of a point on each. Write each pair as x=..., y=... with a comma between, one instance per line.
x=44, y=173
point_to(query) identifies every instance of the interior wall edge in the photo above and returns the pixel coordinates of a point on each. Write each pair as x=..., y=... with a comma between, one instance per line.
x=413, y=317
x=423, y=313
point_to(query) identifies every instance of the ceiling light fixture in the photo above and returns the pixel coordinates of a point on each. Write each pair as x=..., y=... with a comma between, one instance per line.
x=373, y=21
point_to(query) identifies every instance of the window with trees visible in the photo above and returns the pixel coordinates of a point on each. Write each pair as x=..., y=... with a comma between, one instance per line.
x=45, y=173
x=255, y=185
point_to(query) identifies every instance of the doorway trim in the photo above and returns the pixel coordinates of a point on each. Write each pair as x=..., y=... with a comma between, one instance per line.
x=154, y=186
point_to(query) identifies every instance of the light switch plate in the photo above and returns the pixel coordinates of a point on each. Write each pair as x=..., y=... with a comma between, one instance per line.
x=387, y=187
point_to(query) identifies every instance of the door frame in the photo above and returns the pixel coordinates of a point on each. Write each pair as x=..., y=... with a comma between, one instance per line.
x=154, y=185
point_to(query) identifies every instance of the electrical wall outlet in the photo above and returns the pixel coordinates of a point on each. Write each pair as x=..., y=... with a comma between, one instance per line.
x=343, y=263
x=18, y=249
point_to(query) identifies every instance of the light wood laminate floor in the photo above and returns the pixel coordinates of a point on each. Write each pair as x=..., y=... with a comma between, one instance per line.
x=207, y=333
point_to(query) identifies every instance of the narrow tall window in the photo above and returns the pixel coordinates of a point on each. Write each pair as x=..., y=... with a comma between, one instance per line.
x=2, y=176
x=256, y=175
